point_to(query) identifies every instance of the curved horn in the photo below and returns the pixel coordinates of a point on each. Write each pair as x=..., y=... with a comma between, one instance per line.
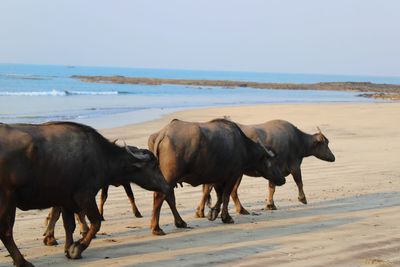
x=136, y=155
x=269, y=152
x=319, y=130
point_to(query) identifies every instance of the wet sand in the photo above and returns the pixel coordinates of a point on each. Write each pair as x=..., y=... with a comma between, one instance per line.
x=352, y=218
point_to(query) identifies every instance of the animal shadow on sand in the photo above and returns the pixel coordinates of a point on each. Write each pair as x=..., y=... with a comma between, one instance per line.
x=202, y=245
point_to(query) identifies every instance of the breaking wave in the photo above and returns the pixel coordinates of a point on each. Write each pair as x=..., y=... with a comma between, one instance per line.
x=59, y=93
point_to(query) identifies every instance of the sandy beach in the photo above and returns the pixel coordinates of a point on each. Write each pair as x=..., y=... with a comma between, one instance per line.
x=351, y=219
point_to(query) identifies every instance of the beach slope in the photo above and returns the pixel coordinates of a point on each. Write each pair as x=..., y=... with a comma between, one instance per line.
x=352, y=218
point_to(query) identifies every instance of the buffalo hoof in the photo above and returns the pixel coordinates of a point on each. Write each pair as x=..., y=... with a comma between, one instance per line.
x=243, y=211
x=50, y=241
x=75, y=251
x=213, y=214
x=181, y=224
x=200, y=214
x=271, y=207
x=158, y=231
x=137, y=214
x=227, y=219
x=303, y=200
x=102, y=218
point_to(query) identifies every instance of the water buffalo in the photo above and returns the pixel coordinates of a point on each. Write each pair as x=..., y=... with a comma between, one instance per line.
x=64, y=164
x=216, y=152
x=129, y=193
x=54, y=214
x=291, y=146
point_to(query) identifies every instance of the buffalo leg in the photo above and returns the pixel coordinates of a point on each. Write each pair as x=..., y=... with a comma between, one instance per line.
x=131, y=197
x=88, y=205
x=226, y=218
x=234, y=195
x=299, y=182
x=213, y=213
x=103, y=198
x=205, y=198
x=155, y=219
x=179, y=222
x=80, y=217
x=270, y=200
x=52, y=218
x=7, y=219
x=69, y=226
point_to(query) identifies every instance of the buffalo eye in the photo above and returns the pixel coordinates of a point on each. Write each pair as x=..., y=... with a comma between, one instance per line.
x=269, y=164
x=139, y=164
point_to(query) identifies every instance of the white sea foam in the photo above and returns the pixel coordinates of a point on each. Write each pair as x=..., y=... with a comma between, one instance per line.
x=57, y=93
x=92, y=92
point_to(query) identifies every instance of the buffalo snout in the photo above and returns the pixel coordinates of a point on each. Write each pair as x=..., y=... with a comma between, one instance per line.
x=331, y=156
x=165, y=189
x=277, y=177
x=159, y=183
x=326, y=156
x=280, y=181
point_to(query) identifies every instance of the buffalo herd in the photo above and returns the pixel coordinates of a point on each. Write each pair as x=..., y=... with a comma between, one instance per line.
x=63, y=166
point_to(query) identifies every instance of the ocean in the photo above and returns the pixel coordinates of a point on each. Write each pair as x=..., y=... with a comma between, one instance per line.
x=40, y=93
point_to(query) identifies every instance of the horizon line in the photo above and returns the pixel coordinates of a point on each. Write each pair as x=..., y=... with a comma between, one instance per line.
x=201, y=70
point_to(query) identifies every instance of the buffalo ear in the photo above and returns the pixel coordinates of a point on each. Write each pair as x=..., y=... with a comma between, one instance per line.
x=319, y=138
x=139, y=164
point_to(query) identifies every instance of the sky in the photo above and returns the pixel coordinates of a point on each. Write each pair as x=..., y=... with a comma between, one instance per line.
x=353, y=37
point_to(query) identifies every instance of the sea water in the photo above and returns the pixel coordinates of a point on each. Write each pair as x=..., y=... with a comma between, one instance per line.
x=40, y=93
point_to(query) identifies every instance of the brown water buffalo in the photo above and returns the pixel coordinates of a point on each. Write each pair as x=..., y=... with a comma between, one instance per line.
x=64, y=164
x=54, y=214
x=216, y=152
x=51, y=220
x=291, y=146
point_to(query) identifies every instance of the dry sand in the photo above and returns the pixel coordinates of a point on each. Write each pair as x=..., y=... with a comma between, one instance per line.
x=352, y=218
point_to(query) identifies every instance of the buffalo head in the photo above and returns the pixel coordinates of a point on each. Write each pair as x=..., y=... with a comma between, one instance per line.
x=320, y=147
x=144, y=170
x=266, y=165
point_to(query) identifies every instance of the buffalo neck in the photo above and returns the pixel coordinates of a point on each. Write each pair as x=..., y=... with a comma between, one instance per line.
x=307, y=141
x=114, y=163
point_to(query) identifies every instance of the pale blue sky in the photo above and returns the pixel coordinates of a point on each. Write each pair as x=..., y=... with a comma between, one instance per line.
x=313, y=36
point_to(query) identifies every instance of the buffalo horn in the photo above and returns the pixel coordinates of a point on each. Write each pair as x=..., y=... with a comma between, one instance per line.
x=136, y=155
x=269, y=152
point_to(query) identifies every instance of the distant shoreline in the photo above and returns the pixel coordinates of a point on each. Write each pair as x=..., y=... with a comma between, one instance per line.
x=368, y=89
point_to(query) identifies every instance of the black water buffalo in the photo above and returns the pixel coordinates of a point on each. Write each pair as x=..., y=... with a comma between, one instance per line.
x=129, y=193
x=54, y=214
x=64, y=164
x=291, y=146
x=216, y=152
